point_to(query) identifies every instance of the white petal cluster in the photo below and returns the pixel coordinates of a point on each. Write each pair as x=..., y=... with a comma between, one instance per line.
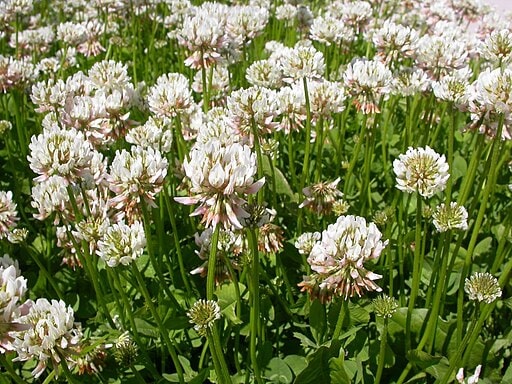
x=441, y=54
x=15, y=73
x=306, y=241
x=395, y=41
x=50, y=196
x=338, y=259
x=454, y=87
x=367, y=81
x=421, y=170
x=264, y=73
x=155, y=133
x=497, y=48
x=170, y=96
x=220, y=176
x=447, y=217
x=245, y=22
x=252, y=105
x=52, y=332
x=13, y=288
x=302, y=62
x=8, y=213
x=330, y=30
x=59, y=151
x=137, y=174
x=122, y=244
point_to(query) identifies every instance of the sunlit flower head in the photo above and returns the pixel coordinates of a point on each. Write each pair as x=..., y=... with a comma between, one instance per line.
x=203, y=315
x=8, y=213
x=482, y=287
x=220, y=177
x=497, y=48
x=447, y=217
x=126, y=351
x=421, y=170
x=303, y=62
x=122, y=244
x=338, y=259
x=170, y=96
x=52, y=335
x=367, y=81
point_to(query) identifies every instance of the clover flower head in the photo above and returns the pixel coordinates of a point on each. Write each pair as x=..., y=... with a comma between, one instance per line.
x=497, y=48
x=385, y=306
x=220, y=177
x=320, y=197
x=126, y=350
x=170, y=96
x=122, y=244
x=482, y=287
x=421, y=170
x=8, y=213
x=52, y=335
x=303, y=62
x=338, y=258
x=203, y=315
x=451, y=216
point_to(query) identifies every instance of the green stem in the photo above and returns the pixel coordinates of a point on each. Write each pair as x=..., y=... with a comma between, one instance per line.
x=355, y=155
x=5, y=363
x=255, y=302
x=163, y=330
x=219, y=362
x=341, y=319
x=489, y=186
x=307, y=149
x=382, y=351
x=416, y=273
x=212, y=263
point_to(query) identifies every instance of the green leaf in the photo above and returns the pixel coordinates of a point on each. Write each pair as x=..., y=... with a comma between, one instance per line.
x=459, y=167
x=296, y=363
x=317, y=320
x=338, y=372
x=277, y=371
x=318, y=369
x=227, y=300
x=422, y=359
x=483, y=246
x=282, y=186
x=145, y=328
x=358, y=314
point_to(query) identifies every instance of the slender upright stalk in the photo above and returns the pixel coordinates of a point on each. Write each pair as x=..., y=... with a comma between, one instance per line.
x=382, y=351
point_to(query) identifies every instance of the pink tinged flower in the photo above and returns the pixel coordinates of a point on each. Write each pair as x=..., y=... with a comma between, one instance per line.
x=338, y=259
x=135, y=175
x=421, y=170
x=8, y=213
x=171, y=96
x=367, y=81
x=220, y=177
x=52, y=335
x=320, y=197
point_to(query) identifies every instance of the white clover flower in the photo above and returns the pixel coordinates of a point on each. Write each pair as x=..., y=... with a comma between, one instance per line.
x=135, y=175
x=51, y=196
x=203, y=315
x=171, y=96
x=220, y=177
x=482, y=287
x=497, y=48
x=71, y=33
x=441, y=54
x=252, y=105
x=394, y=42
x=421, y=170
x=367, y=81
x=320, y=197
x=454, y=87
x=447, y=217
x=302, y=62
x=330, y=30
x=264, y=73
x=292, y=104
x=52, y=335
x=245, y=22
x=202, y=33
x=62, y=152
x=338, y=259
x=306, y=241
x=122, y=244
x=15, y=73
x=219, y=86
x=13, y=288
x=326, y=97
x=230, y=245
x=409, y=82
x=155, y=133
x=8, y=213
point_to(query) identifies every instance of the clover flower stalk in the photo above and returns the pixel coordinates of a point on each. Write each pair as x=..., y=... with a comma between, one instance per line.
x=383, y=306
